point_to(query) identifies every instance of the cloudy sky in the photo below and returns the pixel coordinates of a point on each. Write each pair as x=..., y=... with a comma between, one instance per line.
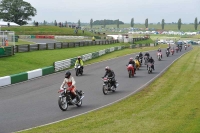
x=124, y=10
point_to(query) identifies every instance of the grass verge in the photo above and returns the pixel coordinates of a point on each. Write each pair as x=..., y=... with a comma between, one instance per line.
x=167, y=105
x=22, y=62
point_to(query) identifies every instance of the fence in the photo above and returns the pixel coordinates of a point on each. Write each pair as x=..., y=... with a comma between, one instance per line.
x=59, y=45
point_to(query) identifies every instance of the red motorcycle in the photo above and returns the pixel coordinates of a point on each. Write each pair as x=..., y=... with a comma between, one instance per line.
x=172, y=51
x=131, y=70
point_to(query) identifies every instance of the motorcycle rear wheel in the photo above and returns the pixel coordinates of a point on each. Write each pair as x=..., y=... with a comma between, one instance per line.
x=105, y=89
x=62, y=104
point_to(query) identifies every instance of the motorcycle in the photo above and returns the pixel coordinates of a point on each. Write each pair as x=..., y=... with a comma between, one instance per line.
x=137, y=63
x=180, y=48
x=66, y=99
x=177, y=49
x=140, y=60
x=131, y=70
x=167, y=53
x=185, y=47
x=159, y=56
x=172, y=51
x=78, y=70
x=146, y=60
x=107, y=87
x=150, y=68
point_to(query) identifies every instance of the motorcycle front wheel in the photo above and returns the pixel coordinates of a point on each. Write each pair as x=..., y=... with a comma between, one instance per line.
x=77, y=72
x=62, y=103
x=105, y=89
x=79, y=104
x=129, y=73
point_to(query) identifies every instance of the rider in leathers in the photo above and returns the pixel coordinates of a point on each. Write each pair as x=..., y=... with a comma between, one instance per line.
x=140, y=55
x=110, y=74
x=70, y=82
x=151, y=60
x=131, y=61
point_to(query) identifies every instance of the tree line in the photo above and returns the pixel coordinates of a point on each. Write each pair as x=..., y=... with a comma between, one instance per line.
x=20, y=12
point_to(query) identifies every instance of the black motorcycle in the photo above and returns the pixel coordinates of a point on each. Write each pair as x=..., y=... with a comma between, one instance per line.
x=167, y=53
x=107, y=86
x=140, y=60
x=150, y=68
x=78, y=70
x=66, y=98
x=146, y=58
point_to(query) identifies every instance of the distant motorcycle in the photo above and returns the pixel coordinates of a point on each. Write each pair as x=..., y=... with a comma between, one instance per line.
x=177, y=49
x=146, y=60
x=107, y=87
x=185, y=47
x=150, y=68
x=172, y=51
x=167, y=53
x=159, y=56
x=140, y=60
x=66, y=98
x=131, y=70
x=78, y=70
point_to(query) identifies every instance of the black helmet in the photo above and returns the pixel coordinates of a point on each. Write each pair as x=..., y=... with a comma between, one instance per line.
x=150, y=57
x=67, y=74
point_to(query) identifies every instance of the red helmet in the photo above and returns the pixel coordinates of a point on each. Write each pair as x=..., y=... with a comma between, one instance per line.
x=131, y=59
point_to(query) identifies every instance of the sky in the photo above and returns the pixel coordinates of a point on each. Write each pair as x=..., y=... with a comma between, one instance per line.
x=124, y=10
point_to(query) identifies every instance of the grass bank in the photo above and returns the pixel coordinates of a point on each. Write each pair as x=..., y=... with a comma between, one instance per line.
x=167, y=105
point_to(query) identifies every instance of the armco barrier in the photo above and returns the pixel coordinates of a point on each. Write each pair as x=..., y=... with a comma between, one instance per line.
x=19, y=77
x=47, y=70
x=5, y=81
x=34, y=73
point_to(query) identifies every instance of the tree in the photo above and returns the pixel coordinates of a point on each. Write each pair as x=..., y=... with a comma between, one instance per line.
x=146, y=23
x=91, y=23
x=132, y=22
x=44, y=23
x=79, y=23
x=104, y=23
x=163, y=24
x=117, y=23
x=195, y=24
x=66, y=24
x=17, y=11
x=55, y=23
x=179, y=24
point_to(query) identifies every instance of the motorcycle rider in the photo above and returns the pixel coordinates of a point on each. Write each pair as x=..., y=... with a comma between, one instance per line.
x=147, y=54
x=70, y=82
x=159, y=50
x=110, y=74
x=140, y=55
x=80, y=62
x=151, y=60
x=132, y=62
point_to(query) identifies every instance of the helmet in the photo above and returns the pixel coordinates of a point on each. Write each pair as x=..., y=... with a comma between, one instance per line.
x=107, y=68
x=131, y=59
x=67, y=74
x=79, y=57
x=140, y=52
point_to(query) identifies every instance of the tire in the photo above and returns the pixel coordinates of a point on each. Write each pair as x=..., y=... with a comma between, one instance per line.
x=63, y=105
x=129, y=74
x=105, y=89
x=113, y=90
x=149, y=70
x=79, y=104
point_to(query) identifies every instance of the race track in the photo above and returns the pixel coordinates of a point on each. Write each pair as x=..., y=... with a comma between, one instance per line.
x=34, y=102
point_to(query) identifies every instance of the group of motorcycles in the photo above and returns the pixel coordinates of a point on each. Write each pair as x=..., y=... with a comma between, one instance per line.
x=66, y=98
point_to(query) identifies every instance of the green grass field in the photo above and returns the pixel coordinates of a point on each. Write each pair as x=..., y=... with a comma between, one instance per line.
x=166, y=105
x=45, y=30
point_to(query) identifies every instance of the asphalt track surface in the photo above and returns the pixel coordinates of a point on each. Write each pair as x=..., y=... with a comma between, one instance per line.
x=34, y=102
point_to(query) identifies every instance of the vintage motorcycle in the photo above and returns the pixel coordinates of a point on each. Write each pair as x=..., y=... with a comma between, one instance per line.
x=78, y=70
x=66, y=98
x=107, y=86
x=172, y=51
x=146, y=60
x=159, y=56
x=167, y=53
x=131, y=70
x=150, y=68
x=137, y=64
